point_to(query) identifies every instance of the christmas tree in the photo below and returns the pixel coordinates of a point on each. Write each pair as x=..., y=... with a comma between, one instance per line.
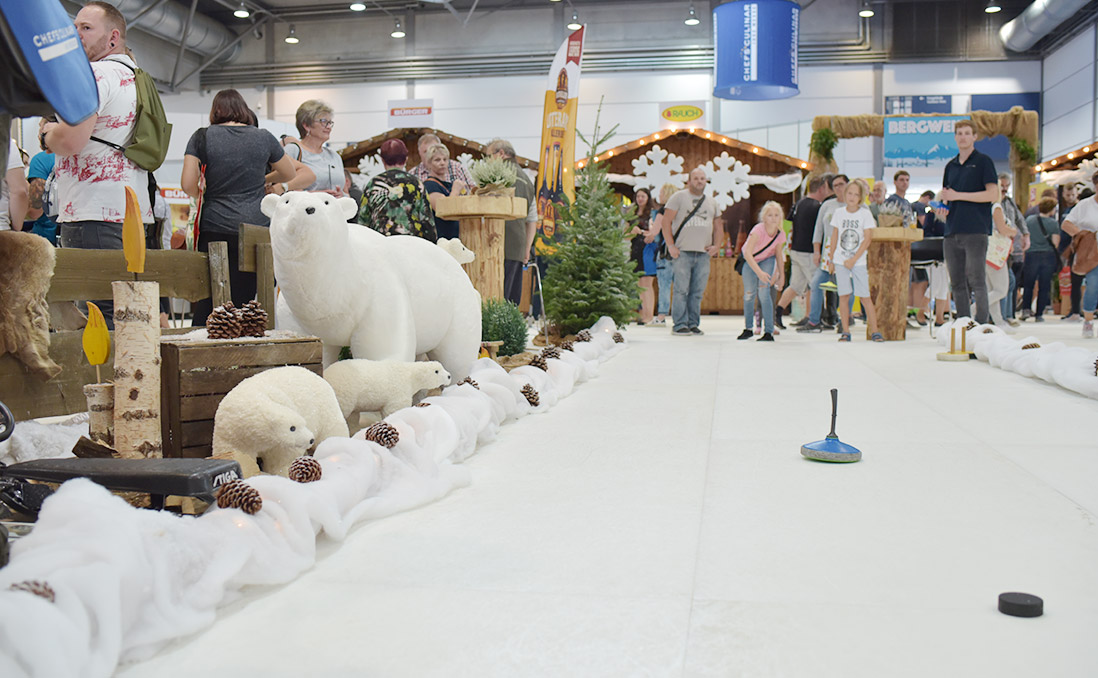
x=591, y=275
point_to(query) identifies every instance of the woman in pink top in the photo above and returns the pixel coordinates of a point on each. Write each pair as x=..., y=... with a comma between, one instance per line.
x=765, y=269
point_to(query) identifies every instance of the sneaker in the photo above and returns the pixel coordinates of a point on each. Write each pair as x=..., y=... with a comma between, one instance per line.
x=1025, y=314
x=1038, y=318
x=1072, y=318
x=813, y=328
x=746, y=334
x=766, y=337
x=696, y=330
x=778, y=324
x=659, y=321
x=682, y=332
x=827, y=326
x=1088, y=330
x=1013, y=322
x=802, y=322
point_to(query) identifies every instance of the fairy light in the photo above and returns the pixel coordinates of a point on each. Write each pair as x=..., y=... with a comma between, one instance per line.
x=708, y=135
x=724, y=141
x=691, y=130
x=804, y=165
x=754, y=149
x=1071, y=156
x=1053, y=163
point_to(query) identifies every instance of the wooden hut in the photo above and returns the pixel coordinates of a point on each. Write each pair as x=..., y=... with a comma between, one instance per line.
x=410, y=136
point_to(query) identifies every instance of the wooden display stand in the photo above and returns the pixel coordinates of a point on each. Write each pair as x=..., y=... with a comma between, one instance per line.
x=889, y=262
x=482, y=220
x=196, y=375
x=724, y=292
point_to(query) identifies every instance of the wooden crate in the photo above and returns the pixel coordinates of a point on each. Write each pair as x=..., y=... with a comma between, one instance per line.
x=196, y=375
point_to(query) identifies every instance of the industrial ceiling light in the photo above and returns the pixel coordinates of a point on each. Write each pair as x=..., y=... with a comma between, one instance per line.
x=993, y=7
x=291, y=37
x=866, y=11
x=554, y=0
x=575, y=25
x=398, y=30
x=241, y=12
x=692, y=19
x=358, y=7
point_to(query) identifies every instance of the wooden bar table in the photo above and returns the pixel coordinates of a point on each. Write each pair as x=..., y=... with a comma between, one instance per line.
x=482, y=220
x=889, y=265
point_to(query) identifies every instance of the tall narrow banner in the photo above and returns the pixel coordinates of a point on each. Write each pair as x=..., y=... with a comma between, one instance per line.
x=558, y=140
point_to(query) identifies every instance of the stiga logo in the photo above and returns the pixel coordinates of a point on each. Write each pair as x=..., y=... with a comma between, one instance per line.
x=682, y=113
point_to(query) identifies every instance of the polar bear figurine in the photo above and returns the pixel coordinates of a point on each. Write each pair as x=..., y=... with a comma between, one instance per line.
x=381, y=386
x=271, y=418
x=457, y=249
x=387, y=297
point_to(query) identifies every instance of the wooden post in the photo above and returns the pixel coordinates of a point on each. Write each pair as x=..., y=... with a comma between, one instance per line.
x=484, y=237
x=219, y=273
x=100, y=413
x=137, y=369
x=889, y=263
x=265, y=282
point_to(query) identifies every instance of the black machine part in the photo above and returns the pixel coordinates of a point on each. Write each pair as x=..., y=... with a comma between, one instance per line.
x=160, y=478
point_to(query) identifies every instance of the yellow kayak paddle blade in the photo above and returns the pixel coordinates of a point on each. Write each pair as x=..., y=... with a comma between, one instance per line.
x=133, y=234
x=96, y=339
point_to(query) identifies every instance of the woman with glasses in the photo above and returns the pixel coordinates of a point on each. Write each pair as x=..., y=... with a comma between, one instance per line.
x=314, y=122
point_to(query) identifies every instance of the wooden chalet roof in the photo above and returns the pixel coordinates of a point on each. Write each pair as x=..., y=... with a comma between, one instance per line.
x=410, y=136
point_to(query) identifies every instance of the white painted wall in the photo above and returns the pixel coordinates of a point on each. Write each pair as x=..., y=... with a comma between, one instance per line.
x=1070, y=114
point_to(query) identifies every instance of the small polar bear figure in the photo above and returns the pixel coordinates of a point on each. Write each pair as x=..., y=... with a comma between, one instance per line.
x=386, y=297
x=274, y=417
x=457, y=249
x=383, y=386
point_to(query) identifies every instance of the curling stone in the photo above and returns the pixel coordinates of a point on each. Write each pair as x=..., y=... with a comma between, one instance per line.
x=831, y=448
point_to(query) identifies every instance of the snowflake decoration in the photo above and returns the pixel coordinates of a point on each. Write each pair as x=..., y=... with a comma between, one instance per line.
x=368, y=167
x=658, y=167
x=466, y=160
x=728, y=181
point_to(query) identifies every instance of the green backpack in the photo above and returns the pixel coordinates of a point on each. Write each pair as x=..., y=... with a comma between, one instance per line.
x=151, y=130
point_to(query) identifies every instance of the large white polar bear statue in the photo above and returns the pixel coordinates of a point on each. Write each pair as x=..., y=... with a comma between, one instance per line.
x=387, y=297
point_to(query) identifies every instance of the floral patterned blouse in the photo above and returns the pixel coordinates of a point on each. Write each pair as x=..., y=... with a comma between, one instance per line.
x=394, y=204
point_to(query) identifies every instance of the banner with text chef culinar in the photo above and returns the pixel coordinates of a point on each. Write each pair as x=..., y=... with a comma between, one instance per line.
x=919, y=140
x=558, y=140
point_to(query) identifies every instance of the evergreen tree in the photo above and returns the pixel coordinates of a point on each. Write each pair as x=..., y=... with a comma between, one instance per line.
x=591, y=275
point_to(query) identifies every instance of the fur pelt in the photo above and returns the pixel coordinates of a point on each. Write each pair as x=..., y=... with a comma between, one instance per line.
x=26, y=266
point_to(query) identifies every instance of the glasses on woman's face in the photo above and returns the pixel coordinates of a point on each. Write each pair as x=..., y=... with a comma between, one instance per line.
x=326, y=123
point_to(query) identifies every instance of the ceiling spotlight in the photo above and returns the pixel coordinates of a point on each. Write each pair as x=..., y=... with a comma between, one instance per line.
x=575, y=25
x=358, y=7
x=291, y=37
x=866, y=11
x=993, y=7
x=398, y=30
x=554, y=0
x=692, y=19
x=241, y=12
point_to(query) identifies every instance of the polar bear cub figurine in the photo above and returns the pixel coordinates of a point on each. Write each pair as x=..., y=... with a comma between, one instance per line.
x=383, y=386
x=271, y=418
x=457, y=249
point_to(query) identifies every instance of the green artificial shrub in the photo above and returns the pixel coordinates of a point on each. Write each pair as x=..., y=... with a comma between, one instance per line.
x=502, y=320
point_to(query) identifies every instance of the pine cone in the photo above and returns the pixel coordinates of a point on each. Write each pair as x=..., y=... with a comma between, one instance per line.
x=567, y=345
x=1031, y=345
x=38, y=588
x=425, y=404
x=384, y=434
x=584, y=335
x=539, y=362
x=469, y=380
x=253, y=320
x=531, y=395
x=305, y=470
x=618, y=339
x=241, y=495
x=988, y=330
x=971, y=324
x=223, y=322
x=1096, y=368
x=550, y=352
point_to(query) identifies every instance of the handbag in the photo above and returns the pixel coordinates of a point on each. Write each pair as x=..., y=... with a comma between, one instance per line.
x=741, y=260
x=663, y=254
x=998, y=249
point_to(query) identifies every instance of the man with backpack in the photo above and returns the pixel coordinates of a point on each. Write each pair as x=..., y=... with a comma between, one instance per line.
x=92, y=167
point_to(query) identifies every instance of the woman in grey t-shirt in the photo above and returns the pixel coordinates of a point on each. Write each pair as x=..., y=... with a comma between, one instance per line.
x=314, y=122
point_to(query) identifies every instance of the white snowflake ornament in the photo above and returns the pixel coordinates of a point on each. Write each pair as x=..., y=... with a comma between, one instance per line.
x=658, y=167
x=368, y=167
x=466, y=160
x=728, y=180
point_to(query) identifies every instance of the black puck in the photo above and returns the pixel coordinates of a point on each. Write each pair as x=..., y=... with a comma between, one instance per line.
x=1021, y=604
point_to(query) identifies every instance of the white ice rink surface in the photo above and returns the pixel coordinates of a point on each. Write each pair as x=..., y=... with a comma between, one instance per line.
x=660, y=521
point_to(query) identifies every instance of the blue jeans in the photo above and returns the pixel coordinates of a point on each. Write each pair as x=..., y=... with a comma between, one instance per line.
x=664, y=275
x=753, y=287
x=1006, y=304
x=1038, y=271
x=816, y=306
x=94, y=235
x=691, y=275
x=1090, y=293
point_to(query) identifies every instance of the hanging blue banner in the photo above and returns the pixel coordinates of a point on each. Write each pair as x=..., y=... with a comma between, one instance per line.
x=919, y=141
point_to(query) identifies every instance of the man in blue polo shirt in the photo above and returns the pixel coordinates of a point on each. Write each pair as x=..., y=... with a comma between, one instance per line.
x=970, y=186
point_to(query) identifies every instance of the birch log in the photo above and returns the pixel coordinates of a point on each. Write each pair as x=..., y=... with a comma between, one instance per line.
x=137, y=369
x=100, y=413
